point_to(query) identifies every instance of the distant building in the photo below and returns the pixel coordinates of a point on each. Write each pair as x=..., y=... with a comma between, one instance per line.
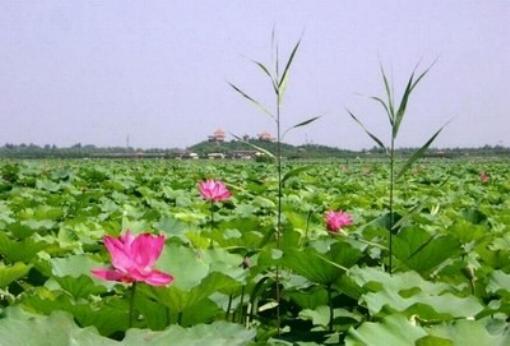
x=218, y=136
x=244, y=154
x=214, y=156
x=265, y=136
x=189, y=155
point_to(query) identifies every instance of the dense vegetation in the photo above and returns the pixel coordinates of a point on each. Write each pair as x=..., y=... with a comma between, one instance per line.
x=451, y=268
x=306, y=151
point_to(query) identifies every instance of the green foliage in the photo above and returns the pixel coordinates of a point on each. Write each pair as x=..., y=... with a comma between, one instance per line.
x=59, y=330
x=420, y=251
x=408, y=292
x=464, y=332
x=393, y=330
x=9, y=274
x=452, y=260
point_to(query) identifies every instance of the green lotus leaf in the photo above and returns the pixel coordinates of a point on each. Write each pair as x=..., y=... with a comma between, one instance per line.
x=12, y=273
x=393, y=330
x=420, y=251
x=468, y=332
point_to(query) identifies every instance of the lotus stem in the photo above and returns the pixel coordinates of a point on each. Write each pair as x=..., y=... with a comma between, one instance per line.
x=229, y=306
x=211, y=223
x=241, y=305
x=307, y=228
x=131, y=305
x=472, y=285
x=331, y=310
x=211, y=208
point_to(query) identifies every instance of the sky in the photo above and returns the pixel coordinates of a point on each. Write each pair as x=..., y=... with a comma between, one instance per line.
x=95, y=72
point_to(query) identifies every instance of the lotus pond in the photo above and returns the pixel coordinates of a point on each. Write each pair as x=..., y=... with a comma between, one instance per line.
x=217, y=275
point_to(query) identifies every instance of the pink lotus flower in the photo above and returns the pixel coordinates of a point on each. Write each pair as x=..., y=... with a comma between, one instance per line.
x=484, y=178
x=336, y=220
x=214, y=190
x=133, y=259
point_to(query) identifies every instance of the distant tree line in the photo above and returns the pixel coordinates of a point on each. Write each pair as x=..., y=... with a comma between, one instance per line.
x=497, y=150
x=33, y=151
x=307, y=151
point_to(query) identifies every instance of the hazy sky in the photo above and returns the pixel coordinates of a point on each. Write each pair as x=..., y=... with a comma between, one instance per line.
x=96, y=71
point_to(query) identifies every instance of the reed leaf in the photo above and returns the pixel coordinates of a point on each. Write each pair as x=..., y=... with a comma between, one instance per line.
x=411, y=84
x=301, y=124
x=252, y=100
x=402, y=106
x=383, y=104
x=389, y=95
x=423, y=74
x=289, y=63
x=370, y=134
x=410, y=213
x=267, y=73
x=419, y=153
x=277, y=61
x=294, y=172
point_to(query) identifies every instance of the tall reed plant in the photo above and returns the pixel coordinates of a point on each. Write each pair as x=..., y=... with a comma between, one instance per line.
x=395, y=115
x=278, y=75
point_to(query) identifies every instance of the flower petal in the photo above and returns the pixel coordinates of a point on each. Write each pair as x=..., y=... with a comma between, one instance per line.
x=127, y=239
x=146, y=249
x=121, y=259
x=157, y=278
x=109, y=275
x=213, y=190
